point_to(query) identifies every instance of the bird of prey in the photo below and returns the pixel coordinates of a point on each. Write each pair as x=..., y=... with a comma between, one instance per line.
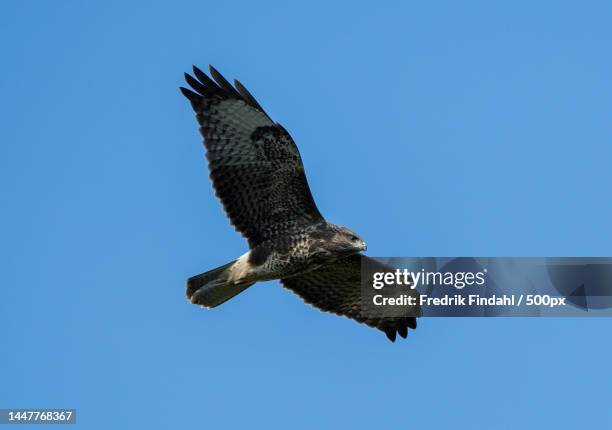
x=258, y=175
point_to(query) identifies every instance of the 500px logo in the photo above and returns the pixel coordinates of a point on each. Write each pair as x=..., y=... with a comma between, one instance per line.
x=412, y=279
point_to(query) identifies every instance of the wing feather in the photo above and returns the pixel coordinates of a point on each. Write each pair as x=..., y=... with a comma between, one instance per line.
x=246, y=95
x=336, y=288
x=223, y=83
x=254, y=164
x=203, y=77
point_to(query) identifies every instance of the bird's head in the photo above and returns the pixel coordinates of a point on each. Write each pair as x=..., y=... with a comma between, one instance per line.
x=332, y=242
x=348, y=241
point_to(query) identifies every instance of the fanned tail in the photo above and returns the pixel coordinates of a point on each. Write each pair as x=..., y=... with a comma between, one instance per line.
x=212, y=288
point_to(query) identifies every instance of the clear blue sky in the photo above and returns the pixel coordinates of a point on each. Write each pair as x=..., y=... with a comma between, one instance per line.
x=431, y=128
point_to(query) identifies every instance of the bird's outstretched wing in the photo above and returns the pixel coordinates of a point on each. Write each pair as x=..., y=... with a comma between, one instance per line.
x=336, y=288
x=255, y=166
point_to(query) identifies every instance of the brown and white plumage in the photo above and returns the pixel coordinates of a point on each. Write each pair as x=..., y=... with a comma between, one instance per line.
x=254, y=164
x=336, y=288
x=258, y=175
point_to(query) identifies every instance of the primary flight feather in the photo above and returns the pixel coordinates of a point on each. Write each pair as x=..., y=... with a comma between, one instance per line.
x=258, y=175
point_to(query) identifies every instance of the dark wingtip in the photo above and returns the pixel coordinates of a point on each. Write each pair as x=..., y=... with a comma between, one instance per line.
x=195, y=84
x=194, y=98
x=247, y=96
x=222, y=82
x=217, y=85
x=212, y=70
x=218, y=77
x=197, y=71
x=403, y=331
x=391, y=333
x=412, y=323
x=203, y=78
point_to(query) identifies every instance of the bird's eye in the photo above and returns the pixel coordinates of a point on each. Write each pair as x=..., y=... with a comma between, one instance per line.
x=354, y=238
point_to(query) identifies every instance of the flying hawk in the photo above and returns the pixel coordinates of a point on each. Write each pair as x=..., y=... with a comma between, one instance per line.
x=258, y=175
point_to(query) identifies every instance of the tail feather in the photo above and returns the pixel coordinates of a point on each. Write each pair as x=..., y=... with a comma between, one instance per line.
x=212, y=288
